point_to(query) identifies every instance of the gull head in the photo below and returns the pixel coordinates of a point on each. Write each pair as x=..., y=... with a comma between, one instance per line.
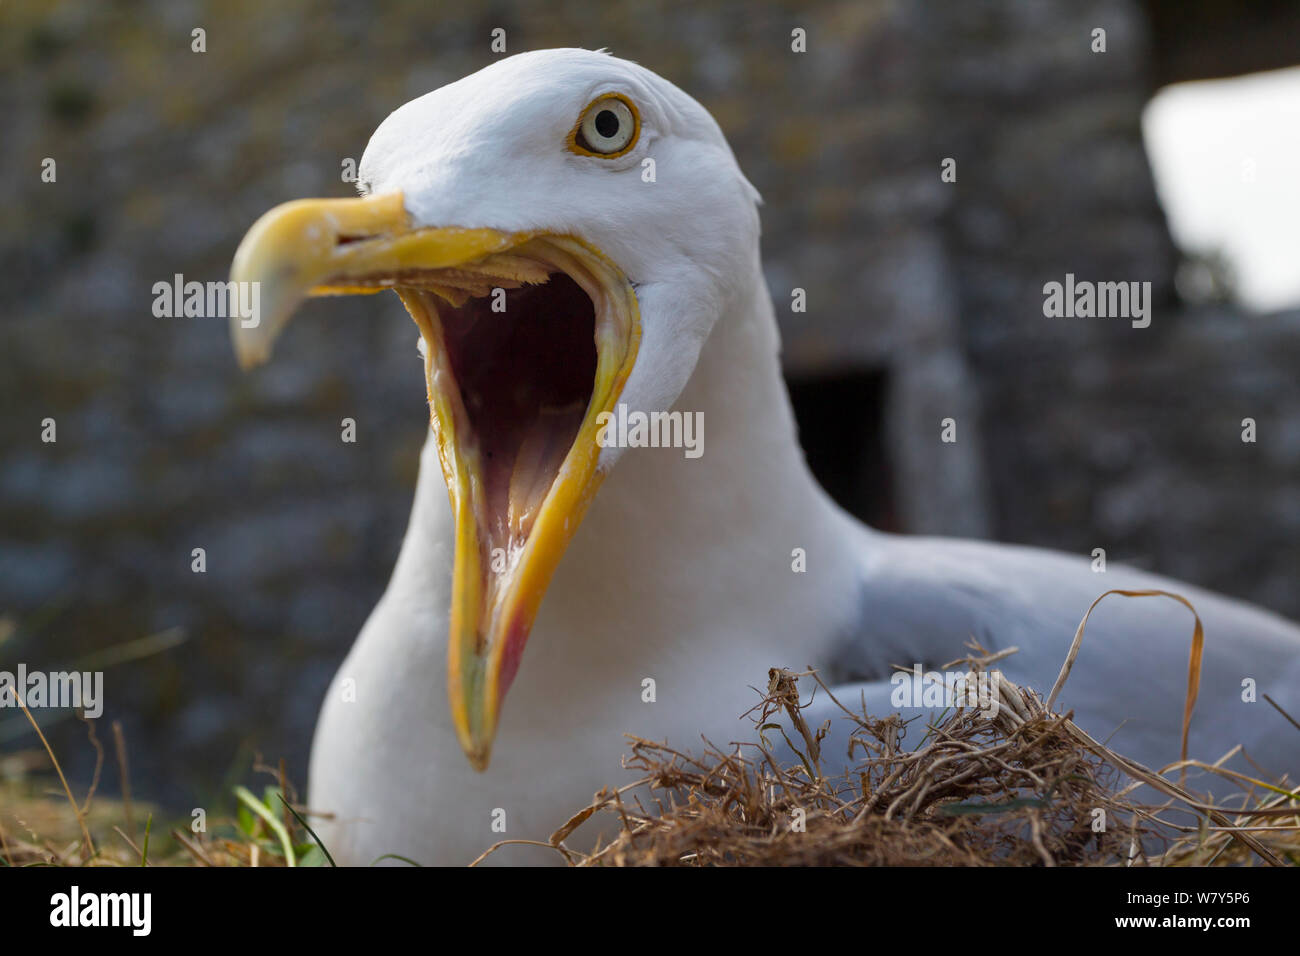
x=565, y=227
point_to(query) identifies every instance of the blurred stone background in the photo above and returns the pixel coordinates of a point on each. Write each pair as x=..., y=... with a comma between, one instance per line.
x=925, y=302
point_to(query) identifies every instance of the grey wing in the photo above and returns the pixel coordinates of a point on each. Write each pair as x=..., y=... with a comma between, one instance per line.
x=924, y=599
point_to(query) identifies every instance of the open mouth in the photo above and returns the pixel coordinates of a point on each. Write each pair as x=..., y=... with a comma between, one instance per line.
x=520, y=366
x=528, y=339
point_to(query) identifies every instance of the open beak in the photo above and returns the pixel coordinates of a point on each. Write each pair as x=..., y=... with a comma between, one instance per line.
x=528, y=337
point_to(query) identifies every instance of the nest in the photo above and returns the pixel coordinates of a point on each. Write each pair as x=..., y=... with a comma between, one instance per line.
x=1025, y=787
x=1015, y=784
x=1021, y=786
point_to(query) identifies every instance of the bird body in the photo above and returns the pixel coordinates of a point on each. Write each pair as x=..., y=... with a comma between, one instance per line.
x=679, y=584
x=688, y=565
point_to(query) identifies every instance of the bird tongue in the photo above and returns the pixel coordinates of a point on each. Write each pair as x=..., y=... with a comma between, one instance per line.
x=538, y=462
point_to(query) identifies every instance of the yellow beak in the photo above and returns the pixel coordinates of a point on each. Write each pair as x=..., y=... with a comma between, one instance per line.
x=505, y=555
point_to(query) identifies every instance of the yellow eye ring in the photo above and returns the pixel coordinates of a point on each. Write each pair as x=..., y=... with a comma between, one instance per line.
x=608, y=128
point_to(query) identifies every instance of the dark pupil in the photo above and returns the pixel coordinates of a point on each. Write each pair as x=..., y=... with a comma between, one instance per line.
x=606, y=123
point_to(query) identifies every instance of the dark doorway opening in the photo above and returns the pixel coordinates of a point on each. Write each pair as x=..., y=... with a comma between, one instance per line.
x=841, y=419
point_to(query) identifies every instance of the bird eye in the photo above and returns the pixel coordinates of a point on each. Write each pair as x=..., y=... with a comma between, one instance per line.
x=608, y=127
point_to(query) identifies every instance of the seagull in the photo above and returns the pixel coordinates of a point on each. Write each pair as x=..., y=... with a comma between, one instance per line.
x=578, y=247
